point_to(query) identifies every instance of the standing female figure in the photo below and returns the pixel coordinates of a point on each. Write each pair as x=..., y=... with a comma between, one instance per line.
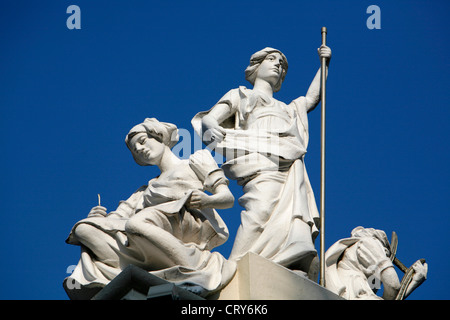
x=264, y=142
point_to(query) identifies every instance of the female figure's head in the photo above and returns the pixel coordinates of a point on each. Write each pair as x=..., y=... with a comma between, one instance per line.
x=268, y=64
x=149, y=140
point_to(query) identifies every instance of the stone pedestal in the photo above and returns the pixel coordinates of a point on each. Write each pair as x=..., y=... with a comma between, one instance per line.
x=257, y=278
x=133, y=283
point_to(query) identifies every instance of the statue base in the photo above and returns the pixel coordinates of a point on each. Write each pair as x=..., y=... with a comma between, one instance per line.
x=134, y=283
x=257, y=278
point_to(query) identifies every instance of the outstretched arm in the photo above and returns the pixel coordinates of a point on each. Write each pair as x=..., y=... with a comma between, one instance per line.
x=314, y=91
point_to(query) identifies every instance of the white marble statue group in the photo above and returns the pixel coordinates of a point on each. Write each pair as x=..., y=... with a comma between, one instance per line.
x=170, y=226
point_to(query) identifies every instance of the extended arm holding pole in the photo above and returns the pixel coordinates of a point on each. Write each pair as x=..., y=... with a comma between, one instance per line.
x=314, y=92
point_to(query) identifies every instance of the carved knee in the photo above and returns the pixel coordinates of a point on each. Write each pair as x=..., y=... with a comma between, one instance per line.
x=85, y=232
x=134, y=225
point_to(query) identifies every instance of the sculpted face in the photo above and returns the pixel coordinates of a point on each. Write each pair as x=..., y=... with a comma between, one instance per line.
x=271, y=68
x=147, y=149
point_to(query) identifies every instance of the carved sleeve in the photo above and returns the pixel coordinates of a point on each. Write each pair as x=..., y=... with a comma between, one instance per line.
x=372, y=256
x=207, y=170
x=231, y=98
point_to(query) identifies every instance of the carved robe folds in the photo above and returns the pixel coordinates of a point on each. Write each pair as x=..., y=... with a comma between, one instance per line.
x=264, y=146
x=154, y=230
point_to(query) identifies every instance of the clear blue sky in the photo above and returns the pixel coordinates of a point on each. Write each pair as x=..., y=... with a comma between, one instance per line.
x=68, y=98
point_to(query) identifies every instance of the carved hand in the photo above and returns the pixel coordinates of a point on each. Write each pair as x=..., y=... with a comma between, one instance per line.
x=420, y=275
x=198, y=200
x=324, y=52
x=97, y=211
x=370, y=253
x=420, y=271
x=212, y=131
x=214, y=134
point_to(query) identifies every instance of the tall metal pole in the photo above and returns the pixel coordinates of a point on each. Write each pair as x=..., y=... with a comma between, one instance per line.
x=322, y=162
